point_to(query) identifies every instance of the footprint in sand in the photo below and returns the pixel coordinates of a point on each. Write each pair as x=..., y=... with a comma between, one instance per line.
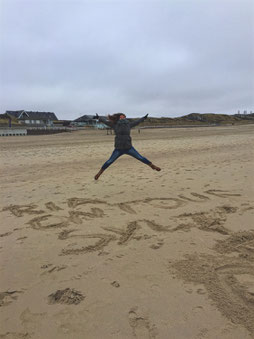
x=141, y=326
x=8, y=297
x=115, y=284
x=158, y=245
x=30, y=320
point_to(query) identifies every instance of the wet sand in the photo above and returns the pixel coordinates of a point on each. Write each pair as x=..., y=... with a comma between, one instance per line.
x=136, y=254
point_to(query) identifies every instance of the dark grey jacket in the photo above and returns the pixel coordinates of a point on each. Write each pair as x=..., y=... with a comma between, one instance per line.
x=122, y=131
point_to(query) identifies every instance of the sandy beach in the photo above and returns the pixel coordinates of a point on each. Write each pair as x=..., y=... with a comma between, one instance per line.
x=136, y=254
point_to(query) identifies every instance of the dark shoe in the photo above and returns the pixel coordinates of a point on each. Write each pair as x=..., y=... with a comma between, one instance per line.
x=98, y=174
x=155, y=167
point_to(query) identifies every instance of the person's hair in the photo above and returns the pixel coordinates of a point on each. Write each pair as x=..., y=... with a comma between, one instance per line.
x=115, y=117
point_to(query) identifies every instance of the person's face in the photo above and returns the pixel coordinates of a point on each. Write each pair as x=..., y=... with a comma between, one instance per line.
x=122, y=116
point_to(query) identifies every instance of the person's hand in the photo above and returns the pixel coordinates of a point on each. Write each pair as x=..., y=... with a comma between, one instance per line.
x=146, y=116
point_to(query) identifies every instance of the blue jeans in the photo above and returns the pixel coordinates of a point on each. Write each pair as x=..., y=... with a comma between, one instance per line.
x=118, y=152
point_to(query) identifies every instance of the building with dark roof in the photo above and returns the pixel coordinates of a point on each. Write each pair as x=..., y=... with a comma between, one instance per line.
x=89, y=121
x=34, y=118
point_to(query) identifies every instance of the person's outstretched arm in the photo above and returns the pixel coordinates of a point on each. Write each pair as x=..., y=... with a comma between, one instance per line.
x=104, y=121
x=138, y=121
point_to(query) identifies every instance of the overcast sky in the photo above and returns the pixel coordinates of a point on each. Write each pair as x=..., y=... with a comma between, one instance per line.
x=165, y=58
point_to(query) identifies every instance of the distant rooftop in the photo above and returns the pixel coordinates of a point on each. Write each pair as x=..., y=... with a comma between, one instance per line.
x=33, y=115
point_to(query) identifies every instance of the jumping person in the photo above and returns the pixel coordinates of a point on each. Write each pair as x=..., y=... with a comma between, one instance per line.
x=123, y=145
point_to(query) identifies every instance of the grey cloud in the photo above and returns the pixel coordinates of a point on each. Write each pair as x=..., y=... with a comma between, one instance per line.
x=167, y=58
